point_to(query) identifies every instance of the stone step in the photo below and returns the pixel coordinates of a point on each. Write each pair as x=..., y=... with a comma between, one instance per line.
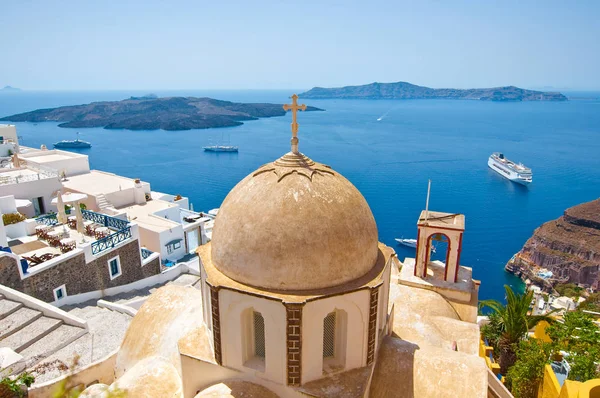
x=7, y=307
x=49, y=344
x=17, y=321
x=31, y=333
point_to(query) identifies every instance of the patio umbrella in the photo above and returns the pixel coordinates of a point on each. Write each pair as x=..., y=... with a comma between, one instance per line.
x=62, y=216
x=73, y=198
x=16, y=161
x=79, y=216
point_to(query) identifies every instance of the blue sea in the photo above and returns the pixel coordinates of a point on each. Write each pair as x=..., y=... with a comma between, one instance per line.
x=389, y=161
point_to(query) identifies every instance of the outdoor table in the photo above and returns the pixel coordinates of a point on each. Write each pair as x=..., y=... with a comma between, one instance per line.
x=41, y=230
x=67, y=244
x=72, y=221
x=101, y=232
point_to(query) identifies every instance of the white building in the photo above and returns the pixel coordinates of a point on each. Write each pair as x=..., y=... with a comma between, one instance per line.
x=166, y=224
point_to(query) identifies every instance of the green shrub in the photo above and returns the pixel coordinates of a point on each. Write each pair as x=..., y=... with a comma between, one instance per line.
x=524, y=377
x=580, y=337
x=15, y=385
x=13, y=218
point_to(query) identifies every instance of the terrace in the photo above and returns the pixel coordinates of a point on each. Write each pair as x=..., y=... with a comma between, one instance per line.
x=100, y=233
x=25, y=174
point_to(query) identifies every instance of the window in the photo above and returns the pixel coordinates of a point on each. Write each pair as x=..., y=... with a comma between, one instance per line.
x=259, y=335
x=329, y=336
x=173, y=245
x=114, y=267
x=253, y=340
x=60, y=293
x=334, y=341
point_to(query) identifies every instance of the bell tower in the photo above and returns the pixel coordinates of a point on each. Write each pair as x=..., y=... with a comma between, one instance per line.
x=437, y=226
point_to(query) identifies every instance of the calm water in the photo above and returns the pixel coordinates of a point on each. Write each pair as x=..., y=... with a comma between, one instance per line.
x=389, y=161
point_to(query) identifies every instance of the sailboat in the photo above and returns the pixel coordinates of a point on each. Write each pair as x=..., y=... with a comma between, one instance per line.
x=220, y=148
x=73, y=144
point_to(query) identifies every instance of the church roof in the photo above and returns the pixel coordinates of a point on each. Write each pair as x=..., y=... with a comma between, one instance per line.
x=218, y=279
x=294, y=224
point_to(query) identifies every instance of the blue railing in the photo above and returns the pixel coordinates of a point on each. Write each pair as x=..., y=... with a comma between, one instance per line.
x=48, y=219
x=111, y=240
x=103, y=219
x=146, y=253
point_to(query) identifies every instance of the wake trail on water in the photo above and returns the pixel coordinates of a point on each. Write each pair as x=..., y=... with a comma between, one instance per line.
x=380, y=118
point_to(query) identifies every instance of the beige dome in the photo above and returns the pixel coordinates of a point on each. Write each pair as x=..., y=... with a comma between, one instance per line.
x=294, y=225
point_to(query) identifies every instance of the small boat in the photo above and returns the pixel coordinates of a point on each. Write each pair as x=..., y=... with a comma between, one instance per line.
x=411, y=243
x=220, y=148
x=73, y=144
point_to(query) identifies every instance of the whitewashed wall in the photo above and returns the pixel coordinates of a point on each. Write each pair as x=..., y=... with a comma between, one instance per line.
x=356, y=306
x=231, y=306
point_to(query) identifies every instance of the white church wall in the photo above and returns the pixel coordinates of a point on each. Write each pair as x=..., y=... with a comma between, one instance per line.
x=232, y=306
x=356, y=307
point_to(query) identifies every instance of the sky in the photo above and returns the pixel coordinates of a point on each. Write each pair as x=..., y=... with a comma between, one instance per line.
x=231, y=44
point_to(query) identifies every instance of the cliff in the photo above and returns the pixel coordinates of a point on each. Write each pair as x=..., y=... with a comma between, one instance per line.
x=151, y=113
x=568, y=246
x=403, y=90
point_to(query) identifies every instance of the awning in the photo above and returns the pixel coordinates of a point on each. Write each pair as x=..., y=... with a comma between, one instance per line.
x=70, y=198
x=173, y=242
x=22, y=203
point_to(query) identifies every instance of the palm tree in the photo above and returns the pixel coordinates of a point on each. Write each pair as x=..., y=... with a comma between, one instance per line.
x=514, y=322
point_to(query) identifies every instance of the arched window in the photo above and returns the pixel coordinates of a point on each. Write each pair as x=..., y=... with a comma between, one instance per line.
x=329, y=336
x=253, y=339
x=334, y=341
x=259, y=334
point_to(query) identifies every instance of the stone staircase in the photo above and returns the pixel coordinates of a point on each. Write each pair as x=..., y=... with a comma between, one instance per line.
x=102, y=202
x=31, y=334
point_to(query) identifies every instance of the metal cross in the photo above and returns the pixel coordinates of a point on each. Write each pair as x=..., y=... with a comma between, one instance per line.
x=294, y=107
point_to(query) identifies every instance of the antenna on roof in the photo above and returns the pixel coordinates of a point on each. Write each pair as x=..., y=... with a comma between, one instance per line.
x=427, y=202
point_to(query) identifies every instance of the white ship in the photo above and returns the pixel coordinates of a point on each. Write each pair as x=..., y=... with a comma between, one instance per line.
x=220, y=148
x=411, y=243
x=516, y=172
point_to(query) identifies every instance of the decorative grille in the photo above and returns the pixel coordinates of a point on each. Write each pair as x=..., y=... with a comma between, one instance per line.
x=329, y=335
x=103, y=219
x=48, y=219
x=145, y=253
x=259, y=335
x=111, y=241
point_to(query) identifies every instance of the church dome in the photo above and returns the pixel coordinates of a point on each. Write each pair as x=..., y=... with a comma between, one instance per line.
x=294, y=224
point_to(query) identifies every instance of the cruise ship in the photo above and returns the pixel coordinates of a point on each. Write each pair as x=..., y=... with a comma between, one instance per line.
x=516, y=172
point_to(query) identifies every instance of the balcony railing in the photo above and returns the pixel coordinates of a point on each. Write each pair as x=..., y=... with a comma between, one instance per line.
x=103, y=219
x=48, y=219
x=146, y=253
x=40, y=175
x=111, y=240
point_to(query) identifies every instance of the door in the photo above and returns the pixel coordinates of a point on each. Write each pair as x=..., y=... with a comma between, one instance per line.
x=38, y=205
x=192, y=240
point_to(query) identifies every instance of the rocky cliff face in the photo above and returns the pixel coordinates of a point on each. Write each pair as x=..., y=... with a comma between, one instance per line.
x=568, y=246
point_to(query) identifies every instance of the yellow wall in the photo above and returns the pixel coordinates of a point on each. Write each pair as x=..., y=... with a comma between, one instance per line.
x=570, y=389
x=484, y=353
x=590, y=389
x=540, y=332
x=550, y=387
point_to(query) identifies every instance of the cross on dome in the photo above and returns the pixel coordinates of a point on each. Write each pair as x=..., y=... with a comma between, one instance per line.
x=294, y=107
